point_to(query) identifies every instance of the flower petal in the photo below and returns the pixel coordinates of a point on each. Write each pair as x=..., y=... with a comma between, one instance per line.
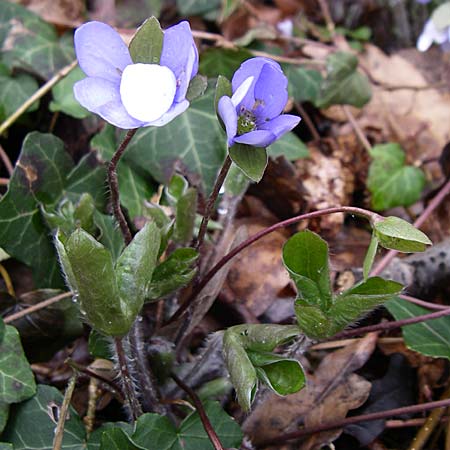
x=189, y=73
x=241, y=91
x=227, y=113
x=174, y=111
x=102, y=97
x=101, y=51
x=250, y=68
x=147, y=91
x=271, y=93
x=281, y=124
x=429, y=35
x=179, y=53
x=258, y=138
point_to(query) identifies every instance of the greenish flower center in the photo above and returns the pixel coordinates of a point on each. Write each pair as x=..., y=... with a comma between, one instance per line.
x=246, y=123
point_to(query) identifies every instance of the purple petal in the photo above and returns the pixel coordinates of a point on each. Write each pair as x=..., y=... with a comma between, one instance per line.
x=180, y=55
x=258, y=138
x=271, y=93
x=102, y=97
x=227, y=113
x=101, y=51
x=250, y=68
x=281, y=124
x=174, y=111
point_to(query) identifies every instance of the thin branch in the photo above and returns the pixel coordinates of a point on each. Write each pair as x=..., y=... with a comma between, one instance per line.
x=212, y=200
x=114, y=186
x=309, y=123
x=37, y=95
x=285, y=223
x=423, y=303
x=7, y=279
x=327, y=16
x=4, y=181
x=359, y=132
x=6, y=161
x=385, y=326
x=59, y=433
x=215, y=441
x=352, y=420
x=426, y=213
x=329, y=345
x=37, y=307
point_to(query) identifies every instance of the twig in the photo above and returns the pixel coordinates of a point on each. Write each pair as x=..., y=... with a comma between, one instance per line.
x=6, y=161
x=327, y=16
x=361, y=136
x=89, y=418
x=37, y=307
x=4, y=181
x=114, y=186
x=7, y=279
x=215, y=441
x=309, y=123
x=426, y=213
x=285, y=223
x=37, y=95
x=423, y=303
x=59, y=433
x=212, y=200
x=352, y=420
x=410, y=423
x=344, y=342
x=385, y=326
x=128, y=388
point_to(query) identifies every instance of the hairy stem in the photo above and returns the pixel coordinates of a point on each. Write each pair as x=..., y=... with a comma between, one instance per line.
x=212, y=200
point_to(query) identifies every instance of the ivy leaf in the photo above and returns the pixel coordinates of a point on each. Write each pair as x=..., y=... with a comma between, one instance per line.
x=344, y=85
x=95, y=437
x=2, y=330
x=397, y=234
x=304, y=84
x=30, y=44
x=289, y=146
x=251, y=160
x=6, y=446
x=431, y=338
x=216, y=62
x=194, y=141
x=63, y=98
x=305, y=256
x=390, y=181
x=116, y=439
x=196, y=7
x=43, y=174
x=40, y=413
x=146, y=44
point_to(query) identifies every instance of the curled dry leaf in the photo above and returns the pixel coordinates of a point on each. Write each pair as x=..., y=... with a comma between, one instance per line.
x=330, y=393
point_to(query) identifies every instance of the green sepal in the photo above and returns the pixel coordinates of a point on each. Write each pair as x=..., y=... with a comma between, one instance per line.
x=370, y=256
x=397, y=234
x=197, y=87
x=312, y=321
x=84, y=213
x=175, y=272
x=241, y=370
x=91, y=267
x=282, y=375
x=251, y=160
x=305, y=256
x=223, y=88
x=135, y=267
x=146, y=44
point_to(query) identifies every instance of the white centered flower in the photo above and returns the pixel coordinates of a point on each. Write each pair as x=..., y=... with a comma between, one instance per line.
x=147, y=90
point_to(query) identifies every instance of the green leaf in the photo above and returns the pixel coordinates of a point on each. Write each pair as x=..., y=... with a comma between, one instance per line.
x=116, y=439
x=197, y=87
x=218, y=61
x=63, y=98
x=43, y=174
x=390, y=181
x=305, y=256
x=282, y=375
x=431, y=338
x=98, y=295
x=370, y=256
x=303, y=84
x=30, y=44
x=95, y=437
x=2, y=330
x=236, y=183
x=110, y=235
x=193, y=140
x=135, y=267
x=289, y=146
x=344, y=85
x=4, y=413
x=6, y=446
x=16, y=378
x=312, y=320
x=14, y=91
x=177, y=186
x=40, y=413
x=251, y=160
x=99, y=346
x=175, y=272
x=146, y=44
x=397, y=234
x=195, y=7
x=185, y=217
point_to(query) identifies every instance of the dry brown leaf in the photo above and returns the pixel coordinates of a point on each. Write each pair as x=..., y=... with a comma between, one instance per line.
x=330, y=393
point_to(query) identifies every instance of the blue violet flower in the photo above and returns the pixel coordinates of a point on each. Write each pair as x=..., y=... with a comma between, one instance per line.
x=130, y=95
x=253, y=113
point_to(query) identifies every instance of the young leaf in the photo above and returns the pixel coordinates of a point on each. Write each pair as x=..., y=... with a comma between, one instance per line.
x=312, y=321
x=177, y=186
x=110, y=235
x=397, y=234
x=305, y=256
x=197, y=87
x=390, y=181
x=251, y=160
x=16, y=378
x=185, y=217
x=344, y=85
x=146, y=44
x=175, y=272
x=99, y=346
x=370, y=256
x=431, y=338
